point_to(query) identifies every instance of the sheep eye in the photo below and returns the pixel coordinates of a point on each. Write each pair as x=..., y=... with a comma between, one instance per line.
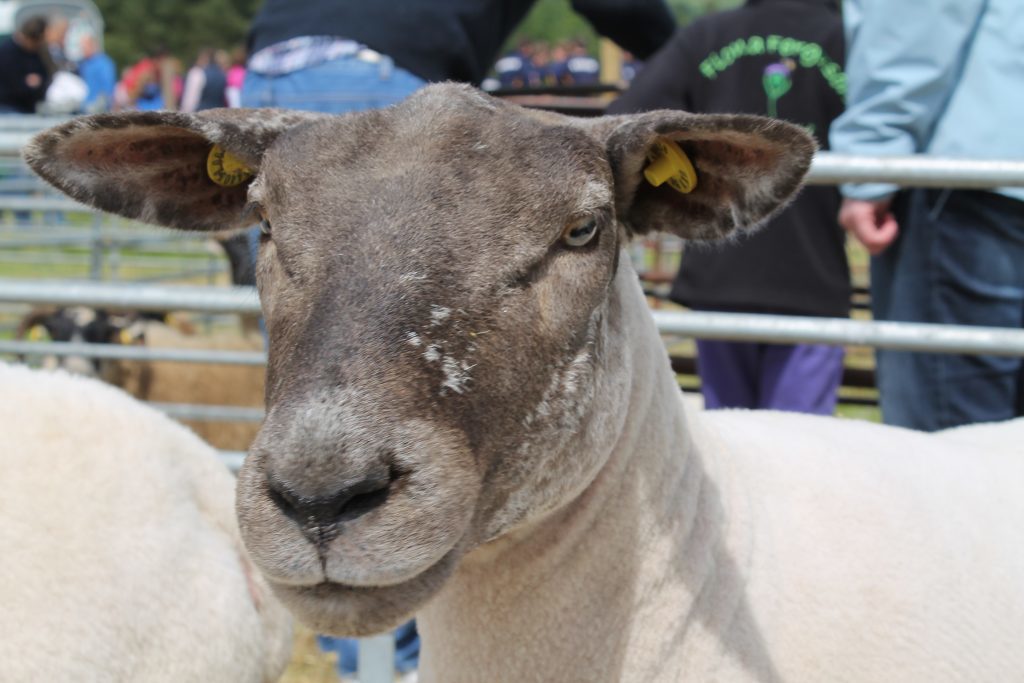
x=264, y=227
x=581, y=234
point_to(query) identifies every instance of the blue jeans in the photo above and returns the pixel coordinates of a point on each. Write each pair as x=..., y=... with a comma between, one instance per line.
x=801, y=378
x=336, y=87
x=407, y=650
x=959, y=259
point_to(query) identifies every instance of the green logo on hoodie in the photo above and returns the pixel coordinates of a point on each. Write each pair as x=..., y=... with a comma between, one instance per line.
x=793, y=53
x=777, y=81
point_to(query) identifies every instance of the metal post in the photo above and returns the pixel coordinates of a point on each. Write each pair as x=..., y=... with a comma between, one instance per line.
x=377, y=659
x=96, y=249
x=610, y=56
x=114, y=263
x=735, y=326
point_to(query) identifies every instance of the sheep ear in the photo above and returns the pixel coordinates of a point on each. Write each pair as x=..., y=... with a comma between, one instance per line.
x=746, y=168
x=153, y=166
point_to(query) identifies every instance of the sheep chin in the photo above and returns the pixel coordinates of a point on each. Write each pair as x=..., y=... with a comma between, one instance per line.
x=358, y=611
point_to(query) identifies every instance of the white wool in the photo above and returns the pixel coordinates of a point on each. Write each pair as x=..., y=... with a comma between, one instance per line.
x=751, y=546
x=121, y=554
x=438, y=314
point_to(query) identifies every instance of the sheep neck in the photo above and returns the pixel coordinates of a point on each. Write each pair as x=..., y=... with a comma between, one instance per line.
x=581, y=594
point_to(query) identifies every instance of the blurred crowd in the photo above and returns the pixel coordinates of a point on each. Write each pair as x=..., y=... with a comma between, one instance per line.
x=40, y=76
x=159, y=81
x=536, y=64
x=38, y=72
x=46, y=68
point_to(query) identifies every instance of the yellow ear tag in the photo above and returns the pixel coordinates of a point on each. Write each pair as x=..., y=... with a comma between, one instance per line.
x=126, y=338
x=225, y=169
x=37, y=333
x=670, y=164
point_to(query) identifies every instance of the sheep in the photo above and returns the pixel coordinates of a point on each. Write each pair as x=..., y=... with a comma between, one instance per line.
x=122, y=559
x=168, y=382
x=76, y=324
x=471, y=417
x=197, y=383
x=161, y=381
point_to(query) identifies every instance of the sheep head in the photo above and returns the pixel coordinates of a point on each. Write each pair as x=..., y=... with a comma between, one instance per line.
x=440, y=281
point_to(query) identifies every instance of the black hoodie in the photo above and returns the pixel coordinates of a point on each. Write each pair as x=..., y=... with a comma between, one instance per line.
x=449, y=39
x=779, y=58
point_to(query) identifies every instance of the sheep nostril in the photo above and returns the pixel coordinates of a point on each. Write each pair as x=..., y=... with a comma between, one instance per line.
x=361, y=503
x=288, y=503
x=344, y=505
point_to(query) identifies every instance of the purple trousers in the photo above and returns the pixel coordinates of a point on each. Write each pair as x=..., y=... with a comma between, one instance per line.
x=801, y=378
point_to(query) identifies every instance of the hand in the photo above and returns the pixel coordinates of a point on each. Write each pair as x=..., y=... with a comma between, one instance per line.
x=871, y=222
x=33, y=80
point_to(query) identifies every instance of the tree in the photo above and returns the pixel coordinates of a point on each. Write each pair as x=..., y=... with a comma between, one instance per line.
x=183, y=27
x=552, y=21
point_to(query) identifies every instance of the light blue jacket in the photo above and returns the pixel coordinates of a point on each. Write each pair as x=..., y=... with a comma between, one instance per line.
x=100, y=75
x=941, y=77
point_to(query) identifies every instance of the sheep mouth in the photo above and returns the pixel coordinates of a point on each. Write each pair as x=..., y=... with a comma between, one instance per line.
x=355, y=611
x=333, y=590
x=444, y=565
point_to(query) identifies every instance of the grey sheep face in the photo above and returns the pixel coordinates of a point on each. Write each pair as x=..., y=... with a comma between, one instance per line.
x=440, y=281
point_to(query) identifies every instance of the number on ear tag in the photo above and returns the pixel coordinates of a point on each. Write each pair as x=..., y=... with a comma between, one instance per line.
x=225, y=169
x=669, y=163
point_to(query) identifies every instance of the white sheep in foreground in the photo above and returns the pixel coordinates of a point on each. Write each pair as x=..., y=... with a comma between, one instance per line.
x=472, y=417
x=121, y=559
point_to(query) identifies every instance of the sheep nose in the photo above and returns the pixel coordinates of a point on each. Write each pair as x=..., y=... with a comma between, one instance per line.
x=314, y=514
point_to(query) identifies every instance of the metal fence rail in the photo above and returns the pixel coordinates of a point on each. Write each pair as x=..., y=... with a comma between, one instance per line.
x=730, y=326
x=209, y=413
x=918, y=170
x=123, y=352
x=130, y=296
x=829, y=168
x=23, y=203
x=784, y=329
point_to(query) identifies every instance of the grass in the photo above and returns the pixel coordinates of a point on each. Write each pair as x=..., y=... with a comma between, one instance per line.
x=178, y=260
x=309, y=664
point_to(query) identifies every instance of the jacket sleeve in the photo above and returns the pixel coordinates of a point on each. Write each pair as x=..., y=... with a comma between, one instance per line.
x=639, y=26
x=15, y=77
x=662, y=83
x=903, y=60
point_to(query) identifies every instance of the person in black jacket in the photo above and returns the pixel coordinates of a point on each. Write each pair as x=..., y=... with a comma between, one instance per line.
x=439, y=40
x=780, y=58
x=345, y=55
x=23, y=71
